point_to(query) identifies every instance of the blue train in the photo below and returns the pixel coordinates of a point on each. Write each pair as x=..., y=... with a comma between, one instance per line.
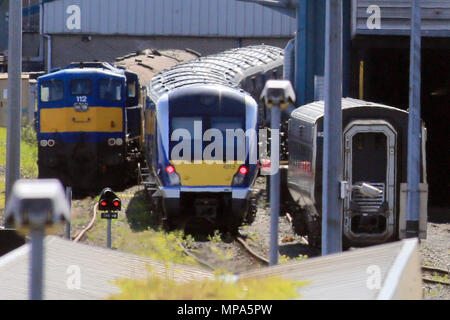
x=89, y=125
x=200, y=149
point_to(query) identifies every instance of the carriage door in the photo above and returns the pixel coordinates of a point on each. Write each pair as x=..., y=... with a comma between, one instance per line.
x=370, y=162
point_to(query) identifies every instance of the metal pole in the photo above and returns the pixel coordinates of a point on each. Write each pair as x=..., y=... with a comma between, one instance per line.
x=14, y=95
x=69, y=199
x=37, y=264
x=301, y=43
x=274, y=183
x=413, y=203
x=332, y=157
x=108, y=234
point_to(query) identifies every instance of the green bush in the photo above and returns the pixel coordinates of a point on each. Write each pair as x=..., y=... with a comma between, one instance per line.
x=219, y=288
x=29, y=135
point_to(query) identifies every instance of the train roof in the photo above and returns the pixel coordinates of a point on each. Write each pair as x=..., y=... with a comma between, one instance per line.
x=312, y=112
x=227, y=69
x=83, y=68
x=149, y=62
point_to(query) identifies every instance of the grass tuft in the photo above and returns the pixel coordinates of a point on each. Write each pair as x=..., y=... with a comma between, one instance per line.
x=28, y=158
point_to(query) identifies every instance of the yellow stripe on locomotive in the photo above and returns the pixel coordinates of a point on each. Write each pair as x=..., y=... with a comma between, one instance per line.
x=95, y=119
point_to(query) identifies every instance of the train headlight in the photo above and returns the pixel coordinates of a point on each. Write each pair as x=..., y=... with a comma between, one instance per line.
x=43, y=143
x=239, y=177
x=51, y=143
x=243, y=171
x=174, y=178
x=111, y=142
x=119, y=141
x=170, y=169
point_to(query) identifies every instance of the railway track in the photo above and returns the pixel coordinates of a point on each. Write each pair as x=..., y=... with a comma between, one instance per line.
x=240, y=243
x=430, y=275
x=435, y=275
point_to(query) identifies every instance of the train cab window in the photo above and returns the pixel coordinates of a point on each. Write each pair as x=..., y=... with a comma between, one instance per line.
x=81, y=87
x=110, y=89
x=52, y=90
x=226, y=123
x=131, y=89
x=231, y=125
x=187, y=123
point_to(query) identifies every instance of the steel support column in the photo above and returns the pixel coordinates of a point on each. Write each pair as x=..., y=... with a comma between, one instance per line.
x=332, y=149
x=14, y=95
x=413, y=202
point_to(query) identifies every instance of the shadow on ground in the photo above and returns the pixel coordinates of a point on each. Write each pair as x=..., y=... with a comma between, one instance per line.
x=439, y=215
x=294, y=250
x=139, y=215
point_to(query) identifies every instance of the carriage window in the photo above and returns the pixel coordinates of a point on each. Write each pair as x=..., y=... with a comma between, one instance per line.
x=132, y=89
x=52, y=90
x=81, y=87
x=110, y=89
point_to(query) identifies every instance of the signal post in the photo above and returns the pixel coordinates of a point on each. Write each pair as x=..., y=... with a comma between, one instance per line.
x=110, y=205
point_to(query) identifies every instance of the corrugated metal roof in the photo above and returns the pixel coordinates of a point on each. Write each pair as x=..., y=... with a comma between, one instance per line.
x=315, y=110
x=395, y=17
x=387, y=271
x=222, y=18
x=98, y=267
x=354, y=275
x=226, y=68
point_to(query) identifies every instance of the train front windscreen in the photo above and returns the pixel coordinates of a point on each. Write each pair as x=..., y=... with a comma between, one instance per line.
x=207, y=137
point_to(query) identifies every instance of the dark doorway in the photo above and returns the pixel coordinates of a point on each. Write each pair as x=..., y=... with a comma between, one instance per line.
x=386, y=80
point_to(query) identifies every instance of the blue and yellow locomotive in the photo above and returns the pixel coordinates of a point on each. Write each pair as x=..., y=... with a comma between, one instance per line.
x=89, y=125
x=201, y=136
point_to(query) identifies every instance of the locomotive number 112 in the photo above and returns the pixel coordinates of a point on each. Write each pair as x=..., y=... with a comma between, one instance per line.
x=82, y=99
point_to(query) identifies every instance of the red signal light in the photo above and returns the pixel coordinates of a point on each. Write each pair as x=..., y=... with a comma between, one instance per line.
x=116, y=203
x=243, y=170
x=170, y=169
x=103, y=203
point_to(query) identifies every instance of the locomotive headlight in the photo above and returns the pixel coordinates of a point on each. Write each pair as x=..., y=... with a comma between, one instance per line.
x=43, y=143
x=174, y=178
x=51, y=143
x=119, y=141
x=111, y=142
x=239, y=177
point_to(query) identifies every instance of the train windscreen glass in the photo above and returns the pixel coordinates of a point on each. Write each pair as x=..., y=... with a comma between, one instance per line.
x=52, y=90
x=183, y=130
x=231, y=130
x=131, y=89
x=226, y=123
x=187, y=123
x=110, y=89
x=81, y=87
